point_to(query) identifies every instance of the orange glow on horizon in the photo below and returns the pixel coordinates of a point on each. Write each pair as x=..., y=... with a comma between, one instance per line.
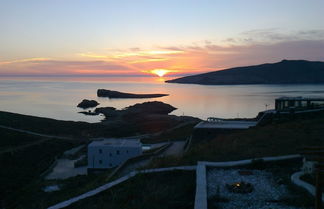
x=160, y=63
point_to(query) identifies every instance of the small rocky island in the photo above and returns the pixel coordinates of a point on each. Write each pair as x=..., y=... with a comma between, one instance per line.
x=117, y=94
x=147, y=117
x=146, y=108
x=88, y=104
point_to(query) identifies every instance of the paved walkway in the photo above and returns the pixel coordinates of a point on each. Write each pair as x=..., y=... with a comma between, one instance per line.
x=175, y=149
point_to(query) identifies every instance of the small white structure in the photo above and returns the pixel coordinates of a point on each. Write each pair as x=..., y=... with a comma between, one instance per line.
x=111, y=152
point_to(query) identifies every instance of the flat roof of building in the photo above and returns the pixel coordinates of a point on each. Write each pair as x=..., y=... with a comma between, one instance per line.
x=116, y=142
x=227, y=124
x=302, y=98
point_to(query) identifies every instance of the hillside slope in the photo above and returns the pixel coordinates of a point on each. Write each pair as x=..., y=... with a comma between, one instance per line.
x=284, y=72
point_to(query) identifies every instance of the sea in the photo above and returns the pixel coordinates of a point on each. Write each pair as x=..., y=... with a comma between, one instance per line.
x=57, y=96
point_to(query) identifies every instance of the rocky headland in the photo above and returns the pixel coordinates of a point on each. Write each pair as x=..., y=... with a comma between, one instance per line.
x=284, y=72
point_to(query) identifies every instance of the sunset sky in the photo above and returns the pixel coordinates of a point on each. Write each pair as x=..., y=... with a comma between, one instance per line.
x=142, y=37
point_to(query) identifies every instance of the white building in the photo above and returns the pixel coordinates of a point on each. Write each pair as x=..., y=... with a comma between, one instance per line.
x=108, y=153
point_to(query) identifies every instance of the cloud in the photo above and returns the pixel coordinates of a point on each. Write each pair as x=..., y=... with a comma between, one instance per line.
x=251, y=47
x=274, y=35
x=218, y=57
x=50, y=67
x=35, y=59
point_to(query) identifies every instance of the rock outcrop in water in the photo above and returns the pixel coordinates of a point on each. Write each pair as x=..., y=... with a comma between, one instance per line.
x=147, y=117
x=88, y=103
x=284, y=72
x=117, y=94
x=137, y=110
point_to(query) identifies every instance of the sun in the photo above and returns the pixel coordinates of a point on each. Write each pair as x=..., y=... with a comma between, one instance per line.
x=160, y=72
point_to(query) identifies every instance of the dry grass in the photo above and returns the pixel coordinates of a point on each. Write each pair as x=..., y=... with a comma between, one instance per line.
x=147, y=191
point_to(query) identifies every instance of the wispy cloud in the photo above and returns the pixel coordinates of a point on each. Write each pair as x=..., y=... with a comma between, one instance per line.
x=148, y=60
x=35, y=59
x=49, y=67
x=136, y=52
x=274, y=35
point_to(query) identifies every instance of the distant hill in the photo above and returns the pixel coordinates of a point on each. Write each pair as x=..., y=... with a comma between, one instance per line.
x=284, y=72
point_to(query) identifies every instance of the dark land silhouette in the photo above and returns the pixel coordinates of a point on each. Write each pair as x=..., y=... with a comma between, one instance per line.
x=284, y=72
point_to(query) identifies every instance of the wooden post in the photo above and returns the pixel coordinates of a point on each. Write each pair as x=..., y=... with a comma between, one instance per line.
x=316, y=154
x=318, y=186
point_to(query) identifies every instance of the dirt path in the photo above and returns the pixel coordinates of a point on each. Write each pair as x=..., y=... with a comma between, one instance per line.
x=32, y=143
x=34, y=133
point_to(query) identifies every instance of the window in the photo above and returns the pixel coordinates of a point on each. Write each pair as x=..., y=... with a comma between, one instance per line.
x=126, y=151
x=100, y=151
x=110, y=165
x=117, y=152
x=100, y=161
x=110, y=155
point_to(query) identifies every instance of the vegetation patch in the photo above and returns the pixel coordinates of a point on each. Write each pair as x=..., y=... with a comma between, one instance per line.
x=66, y=128
x=175, y=134
x=35, y=197
x=23, y=165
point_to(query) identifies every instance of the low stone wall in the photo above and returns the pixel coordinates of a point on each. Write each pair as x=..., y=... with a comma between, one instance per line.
x=201, y=187
x=295, y=178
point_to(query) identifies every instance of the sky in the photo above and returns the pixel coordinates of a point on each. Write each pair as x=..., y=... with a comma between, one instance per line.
x=164, y=37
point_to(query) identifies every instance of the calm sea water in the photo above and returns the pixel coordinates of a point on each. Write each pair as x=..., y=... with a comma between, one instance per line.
x=57, y=97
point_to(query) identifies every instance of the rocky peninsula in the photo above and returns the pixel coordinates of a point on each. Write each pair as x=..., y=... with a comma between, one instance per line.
x=117, y=94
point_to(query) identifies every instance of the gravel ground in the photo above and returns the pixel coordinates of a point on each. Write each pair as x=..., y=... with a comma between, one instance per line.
x=266, y=190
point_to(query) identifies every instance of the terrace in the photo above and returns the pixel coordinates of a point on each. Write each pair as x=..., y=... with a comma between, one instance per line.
x=283, y=104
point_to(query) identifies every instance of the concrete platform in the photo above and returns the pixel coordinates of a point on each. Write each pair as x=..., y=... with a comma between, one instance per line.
x=226, y=124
